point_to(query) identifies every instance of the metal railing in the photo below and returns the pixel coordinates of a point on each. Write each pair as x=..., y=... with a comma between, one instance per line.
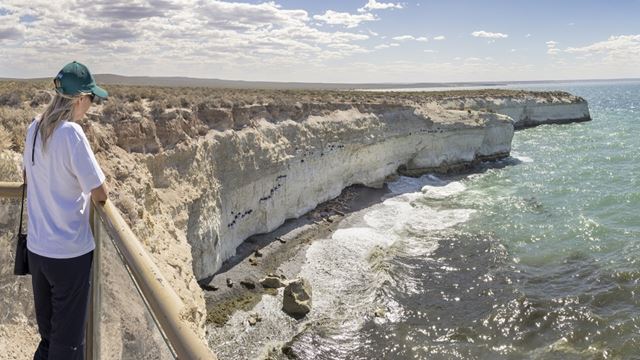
x=163, y=303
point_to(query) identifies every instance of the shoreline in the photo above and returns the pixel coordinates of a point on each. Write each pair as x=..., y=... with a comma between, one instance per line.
x=281, y=252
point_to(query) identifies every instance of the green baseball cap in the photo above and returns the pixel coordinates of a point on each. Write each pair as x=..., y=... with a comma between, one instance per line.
x=75, y=78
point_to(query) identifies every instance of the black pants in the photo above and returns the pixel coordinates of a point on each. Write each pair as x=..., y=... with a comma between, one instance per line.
x=61, y=294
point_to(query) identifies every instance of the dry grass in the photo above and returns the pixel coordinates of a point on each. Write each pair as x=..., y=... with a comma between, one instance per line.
x=176, y=113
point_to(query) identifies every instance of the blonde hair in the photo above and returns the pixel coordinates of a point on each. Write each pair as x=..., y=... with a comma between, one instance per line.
x=60, y=108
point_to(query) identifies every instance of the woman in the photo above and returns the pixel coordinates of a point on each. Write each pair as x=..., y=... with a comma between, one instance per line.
x=63, y=176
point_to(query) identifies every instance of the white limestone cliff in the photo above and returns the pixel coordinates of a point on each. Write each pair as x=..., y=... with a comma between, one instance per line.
x=225, y=185
x=267, y=174
x=528, y=109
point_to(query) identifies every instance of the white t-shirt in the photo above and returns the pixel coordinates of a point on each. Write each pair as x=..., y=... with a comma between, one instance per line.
x=59, y=185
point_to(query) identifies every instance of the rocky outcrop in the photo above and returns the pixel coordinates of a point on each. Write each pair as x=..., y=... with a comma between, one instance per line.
x=528, y=109
x=296, y=300
x=271, y=281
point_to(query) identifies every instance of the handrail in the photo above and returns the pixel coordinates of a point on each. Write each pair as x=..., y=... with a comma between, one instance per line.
x=10, y=189
x=165, y=304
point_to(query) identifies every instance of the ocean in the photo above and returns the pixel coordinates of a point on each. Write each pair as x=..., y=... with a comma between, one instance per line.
x=532, y=257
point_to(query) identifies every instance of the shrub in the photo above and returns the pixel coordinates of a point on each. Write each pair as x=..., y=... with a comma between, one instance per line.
x=116, y=110
x=137, y=106
x=157, y=108
x=132, y=97
x=40, y=98
x=5, y=139
x=15, y=122
x=171, y=102
x=10, y=99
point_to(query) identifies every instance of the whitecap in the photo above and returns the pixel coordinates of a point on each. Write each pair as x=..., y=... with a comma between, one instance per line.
x=347, y=270
x=441, y=192
x=405, y=184
x=522, y=158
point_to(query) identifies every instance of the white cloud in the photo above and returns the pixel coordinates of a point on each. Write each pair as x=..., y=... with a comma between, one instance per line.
x=410, y=37
x=236, y=15
x=386, y=46
x=439, y=38
x=237, y=39
x=430, y=51
x=551, y=47
x=374, y=5
x=342, y=18
x=490, y=35
x=527, y=35
x=620, y=47
x=403, y=37
x=618, y=55
x=179, y=37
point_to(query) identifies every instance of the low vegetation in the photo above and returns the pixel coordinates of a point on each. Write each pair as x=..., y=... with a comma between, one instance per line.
x=20, y=100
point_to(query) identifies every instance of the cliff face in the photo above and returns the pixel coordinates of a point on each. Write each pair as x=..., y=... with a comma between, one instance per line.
x=219, y=187
x=267, y=174
x=195, y=182
x=263, y=164
x=528, y=110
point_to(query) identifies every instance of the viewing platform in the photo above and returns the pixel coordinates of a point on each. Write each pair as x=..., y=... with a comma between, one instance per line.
x=153, y=327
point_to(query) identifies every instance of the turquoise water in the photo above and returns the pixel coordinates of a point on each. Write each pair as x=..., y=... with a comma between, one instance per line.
x=538, y=260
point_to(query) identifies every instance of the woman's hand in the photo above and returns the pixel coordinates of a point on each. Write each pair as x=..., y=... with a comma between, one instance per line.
x=100, y=194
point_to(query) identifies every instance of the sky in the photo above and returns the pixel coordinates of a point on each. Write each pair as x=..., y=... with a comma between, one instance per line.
x=325, y=41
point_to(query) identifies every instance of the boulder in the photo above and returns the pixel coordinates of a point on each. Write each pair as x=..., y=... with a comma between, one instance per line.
x=296, y=301
x=254, y=319
x=271, y=281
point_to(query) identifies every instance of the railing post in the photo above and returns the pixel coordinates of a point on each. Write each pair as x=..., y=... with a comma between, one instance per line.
x=92, y=349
